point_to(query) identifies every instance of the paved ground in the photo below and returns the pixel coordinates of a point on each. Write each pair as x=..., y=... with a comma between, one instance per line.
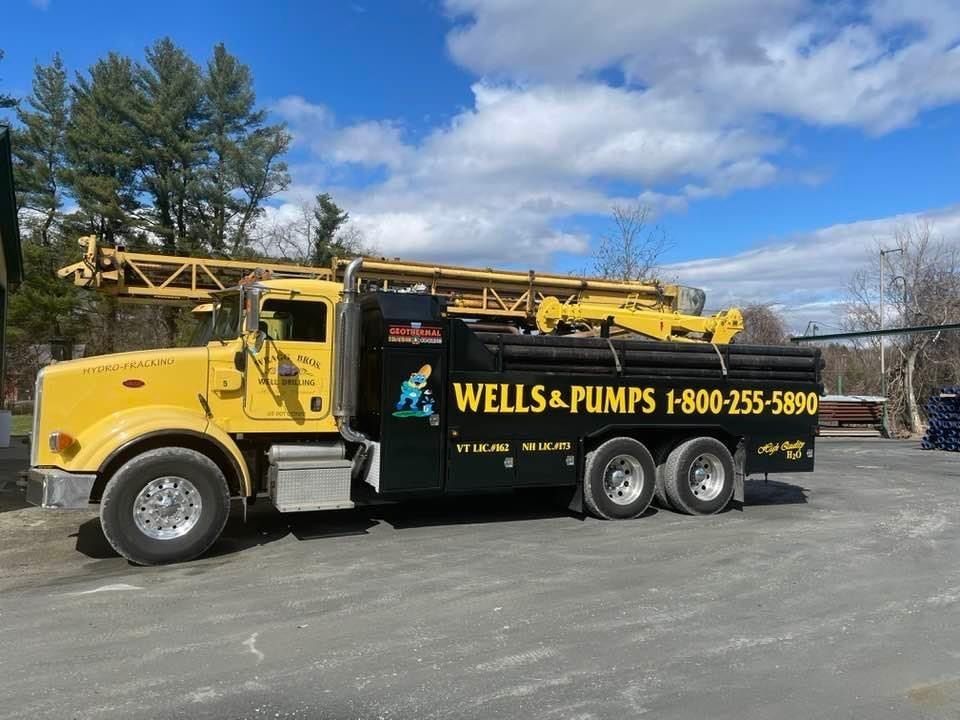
x=832, y=595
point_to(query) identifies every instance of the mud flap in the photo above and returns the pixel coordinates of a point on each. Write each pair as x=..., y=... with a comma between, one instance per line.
x=739, y=475
x=576, y=502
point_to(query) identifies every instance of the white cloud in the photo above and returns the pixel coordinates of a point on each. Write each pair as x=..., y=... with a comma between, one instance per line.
x=371, y=143
x=563, y=39
x=696, y=111
x=498, y=181
x=805, y=275
x=874, y=65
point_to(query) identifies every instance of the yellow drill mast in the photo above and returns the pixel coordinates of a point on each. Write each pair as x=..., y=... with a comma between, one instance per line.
x=525, y=300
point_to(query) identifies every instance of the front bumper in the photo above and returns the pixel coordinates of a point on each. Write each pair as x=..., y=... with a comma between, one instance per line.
x=53, y=488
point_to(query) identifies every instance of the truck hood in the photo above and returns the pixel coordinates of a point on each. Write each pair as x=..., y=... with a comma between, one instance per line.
x=128, y=364
x=93, y=397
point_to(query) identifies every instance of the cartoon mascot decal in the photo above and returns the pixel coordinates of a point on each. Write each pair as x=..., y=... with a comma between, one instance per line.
x=416, y=399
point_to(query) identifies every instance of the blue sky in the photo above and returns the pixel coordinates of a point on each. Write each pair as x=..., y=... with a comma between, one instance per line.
x=493, y=132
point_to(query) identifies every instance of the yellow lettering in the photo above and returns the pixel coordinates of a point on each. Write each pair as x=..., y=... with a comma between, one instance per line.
x=616, y=401
x=467, y=395
x=649, y=400
x=521, y=408
x=505, y=406
x=577, y=393
x=539, y=399
x=635, y=394
x=490, y=398
x=594, y=399
x=544, y=446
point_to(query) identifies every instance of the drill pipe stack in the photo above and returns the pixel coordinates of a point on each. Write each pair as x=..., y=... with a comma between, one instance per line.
x=602, y=356
x=943, y=417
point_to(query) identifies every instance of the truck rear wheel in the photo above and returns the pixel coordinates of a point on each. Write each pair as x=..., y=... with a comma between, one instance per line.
x=618, y=480
x=698, y=476
x=660, y=493
x=165, y=505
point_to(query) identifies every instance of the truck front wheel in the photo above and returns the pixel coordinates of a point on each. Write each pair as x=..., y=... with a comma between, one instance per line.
x=618, y=480
x=165, y=505
x=698, y=476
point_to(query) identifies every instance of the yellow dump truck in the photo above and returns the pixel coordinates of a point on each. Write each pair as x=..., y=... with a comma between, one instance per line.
x=322, y=395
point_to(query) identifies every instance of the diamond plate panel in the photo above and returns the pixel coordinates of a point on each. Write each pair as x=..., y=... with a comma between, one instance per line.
x=311, y=486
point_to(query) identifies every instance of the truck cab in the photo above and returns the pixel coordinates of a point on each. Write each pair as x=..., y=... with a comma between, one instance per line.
x=264, y=374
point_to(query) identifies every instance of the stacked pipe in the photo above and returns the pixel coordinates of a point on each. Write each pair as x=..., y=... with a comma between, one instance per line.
x=943, y=418
x=851, y=415
x=593, y=355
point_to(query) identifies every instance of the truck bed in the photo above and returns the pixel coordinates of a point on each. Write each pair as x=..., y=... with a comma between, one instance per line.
x=637, y=357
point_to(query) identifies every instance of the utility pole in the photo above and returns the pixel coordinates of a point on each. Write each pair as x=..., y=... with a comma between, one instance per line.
x=883, y=361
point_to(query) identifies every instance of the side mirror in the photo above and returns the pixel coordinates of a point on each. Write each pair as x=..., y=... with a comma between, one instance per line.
x=251, y=320
x=251, y=310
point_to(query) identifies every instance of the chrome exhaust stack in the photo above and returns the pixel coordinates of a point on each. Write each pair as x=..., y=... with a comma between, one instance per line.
x=345, y=376
x=347, y=350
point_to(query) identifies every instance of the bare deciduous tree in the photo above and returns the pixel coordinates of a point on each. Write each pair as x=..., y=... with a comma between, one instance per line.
x=763, y=325
x=633, y=248
x=291, y=238
x=921, y=287
x=287, y=238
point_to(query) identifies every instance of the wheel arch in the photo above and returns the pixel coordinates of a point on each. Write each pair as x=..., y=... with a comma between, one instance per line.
x=228, y=459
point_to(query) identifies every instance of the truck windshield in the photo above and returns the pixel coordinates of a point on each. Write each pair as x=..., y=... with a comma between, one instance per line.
x=203, y=331
x=226, y=317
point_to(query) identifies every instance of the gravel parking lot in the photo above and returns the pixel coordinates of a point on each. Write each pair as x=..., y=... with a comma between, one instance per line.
x=835, y=594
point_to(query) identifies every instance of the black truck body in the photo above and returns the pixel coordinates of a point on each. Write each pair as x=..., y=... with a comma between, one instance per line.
x=459, y=411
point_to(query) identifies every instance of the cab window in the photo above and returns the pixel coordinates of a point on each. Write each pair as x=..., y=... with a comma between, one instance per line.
x=294, y=320
x=226, y=317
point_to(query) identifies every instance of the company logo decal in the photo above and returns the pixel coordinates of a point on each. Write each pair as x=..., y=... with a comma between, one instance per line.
x=416, y=398
x=414, y=333
x=791, y=449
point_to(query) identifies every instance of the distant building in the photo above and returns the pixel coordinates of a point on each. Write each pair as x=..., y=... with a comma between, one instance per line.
x=11, y=255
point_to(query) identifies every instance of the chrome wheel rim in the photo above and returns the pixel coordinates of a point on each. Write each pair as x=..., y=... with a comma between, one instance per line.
x=623, y=479
x=706, y=477
x=167, y=508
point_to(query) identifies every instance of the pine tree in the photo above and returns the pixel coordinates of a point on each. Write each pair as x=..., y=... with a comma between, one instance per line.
x=102, y=148
x=105, y=162
x=40, y=148
x=44, y=307
x=6, y=101
x=244, y=166
x=325, y=243
x=171, y=147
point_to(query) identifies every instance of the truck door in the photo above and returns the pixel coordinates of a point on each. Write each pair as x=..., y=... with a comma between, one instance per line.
x=412, y=438
x=290, y=376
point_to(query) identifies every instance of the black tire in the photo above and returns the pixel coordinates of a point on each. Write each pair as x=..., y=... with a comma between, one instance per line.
x=117, y=506
x=660, y=493
x=678, y=473
x=642, y=469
